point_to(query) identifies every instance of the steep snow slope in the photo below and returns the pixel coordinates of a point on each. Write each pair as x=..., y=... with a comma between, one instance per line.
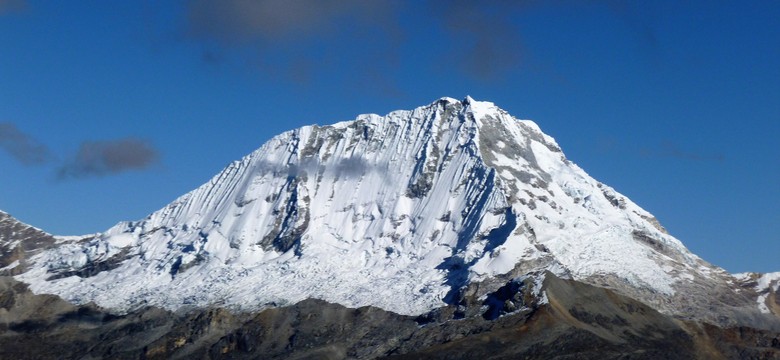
x=397, y=212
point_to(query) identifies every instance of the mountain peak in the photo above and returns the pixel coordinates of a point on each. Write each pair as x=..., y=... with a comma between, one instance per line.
x=481, y=106
x=468, y=103
x=18, y=243
x=402, y=211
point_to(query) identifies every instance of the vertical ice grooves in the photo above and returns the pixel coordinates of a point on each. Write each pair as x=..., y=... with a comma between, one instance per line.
x=481, y=187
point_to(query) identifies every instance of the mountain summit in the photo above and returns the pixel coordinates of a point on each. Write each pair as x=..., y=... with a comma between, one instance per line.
x=407, y=212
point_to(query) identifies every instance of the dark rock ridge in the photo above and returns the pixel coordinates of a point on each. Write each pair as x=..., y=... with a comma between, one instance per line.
x=19, y=242
x=579, y=322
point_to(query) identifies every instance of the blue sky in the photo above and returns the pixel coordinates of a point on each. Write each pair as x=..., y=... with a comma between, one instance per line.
x=110, y=110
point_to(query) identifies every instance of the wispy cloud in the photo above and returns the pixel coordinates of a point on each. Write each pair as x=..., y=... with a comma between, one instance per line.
x=666, y=149
x=237, y=21
x=8, y=6
x=486, y=44
x=294, y=39
x=299, y=40
x=22, y=147
x=669, y=149
x=100, y=158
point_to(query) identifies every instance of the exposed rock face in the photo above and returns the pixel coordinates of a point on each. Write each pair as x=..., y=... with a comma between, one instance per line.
x=764, y=288
x=19, y=242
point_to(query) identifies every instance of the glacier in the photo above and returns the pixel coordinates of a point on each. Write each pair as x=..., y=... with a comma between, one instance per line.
x=397, y=211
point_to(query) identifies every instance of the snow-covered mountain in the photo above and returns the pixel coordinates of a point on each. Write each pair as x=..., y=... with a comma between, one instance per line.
x=401, y=212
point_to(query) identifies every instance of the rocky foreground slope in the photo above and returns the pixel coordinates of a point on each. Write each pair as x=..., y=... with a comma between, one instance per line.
x=579, y=321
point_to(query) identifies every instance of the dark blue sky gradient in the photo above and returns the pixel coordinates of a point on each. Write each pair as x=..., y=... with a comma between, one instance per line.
x=674, y=104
